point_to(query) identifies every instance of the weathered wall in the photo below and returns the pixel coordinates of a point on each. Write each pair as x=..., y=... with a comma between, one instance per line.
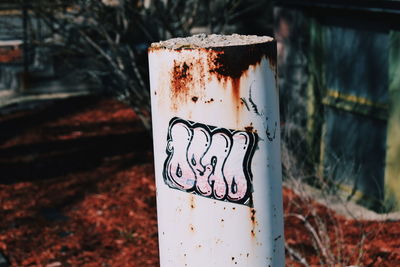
x=342, y=94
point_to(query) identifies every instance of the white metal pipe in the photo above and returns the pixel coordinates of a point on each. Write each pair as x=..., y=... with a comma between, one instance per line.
x=217, y=158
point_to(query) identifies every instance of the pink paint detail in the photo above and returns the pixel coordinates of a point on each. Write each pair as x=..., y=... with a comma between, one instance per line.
x=212, y=163
x=216, y=156
x=234, y=174
x=200, y=144
x=178, y=169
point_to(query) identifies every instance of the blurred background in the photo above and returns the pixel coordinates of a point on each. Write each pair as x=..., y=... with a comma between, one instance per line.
x=74, y=81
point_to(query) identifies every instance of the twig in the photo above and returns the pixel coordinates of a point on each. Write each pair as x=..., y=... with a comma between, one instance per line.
x=296, y=256
x=313, y=232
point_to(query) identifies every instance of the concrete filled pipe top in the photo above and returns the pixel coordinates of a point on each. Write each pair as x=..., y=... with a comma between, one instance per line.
x=213, y=40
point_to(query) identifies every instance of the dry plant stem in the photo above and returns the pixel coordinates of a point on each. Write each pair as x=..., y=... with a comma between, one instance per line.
x=324, y=236
x=314, y=234
x=119, y=69
x=136, y=70
x=296, y=256
x=330, y=245
x=360, y=248
x=339, y=240
x=111, y=36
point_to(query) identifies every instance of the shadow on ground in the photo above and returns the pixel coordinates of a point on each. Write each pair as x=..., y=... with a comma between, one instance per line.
x=40, y=150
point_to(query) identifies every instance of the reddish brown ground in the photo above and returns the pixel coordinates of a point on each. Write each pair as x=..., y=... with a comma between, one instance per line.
x=77, y=189
x=344, y=242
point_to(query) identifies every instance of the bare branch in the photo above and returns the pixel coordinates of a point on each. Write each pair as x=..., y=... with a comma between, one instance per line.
x=296, y=256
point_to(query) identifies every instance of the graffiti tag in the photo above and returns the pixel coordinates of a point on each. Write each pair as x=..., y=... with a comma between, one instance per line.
x=209, y=161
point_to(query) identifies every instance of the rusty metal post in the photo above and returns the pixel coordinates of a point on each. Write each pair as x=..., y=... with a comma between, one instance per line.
x=217, y=151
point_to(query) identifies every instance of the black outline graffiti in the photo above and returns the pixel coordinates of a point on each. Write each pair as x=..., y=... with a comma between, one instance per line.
x=192, y=186
x=269, y=135
x=253, y=105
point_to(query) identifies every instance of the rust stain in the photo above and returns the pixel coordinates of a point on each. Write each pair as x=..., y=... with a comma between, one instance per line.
x=202, y=73
x=253, y=216
x=235, y=88
x=188, y=80
x=227, y=64
x=250, y=128
x=192, y=203
x=230, y=64
x=254, y=222
x=235, y=83
x=253, y=219
x=153, y=49
x=181, y=80
x=209, y=101
x=253, y=234
x=163, y=48
x=191, y=227
x=233, y=61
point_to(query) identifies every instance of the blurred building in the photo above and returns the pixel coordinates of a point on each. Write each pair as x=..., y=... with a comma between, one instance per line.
x=11, y=49
x=30, y=62
x=340, y=80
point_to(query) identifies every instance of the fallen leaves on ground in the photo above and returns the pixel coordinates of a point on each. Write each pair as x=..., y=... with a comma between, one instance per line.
x=77, y=189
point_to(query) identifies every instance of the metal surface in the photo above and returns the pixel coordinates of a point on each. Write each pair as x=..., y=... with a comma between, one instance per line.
x=217, y=155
